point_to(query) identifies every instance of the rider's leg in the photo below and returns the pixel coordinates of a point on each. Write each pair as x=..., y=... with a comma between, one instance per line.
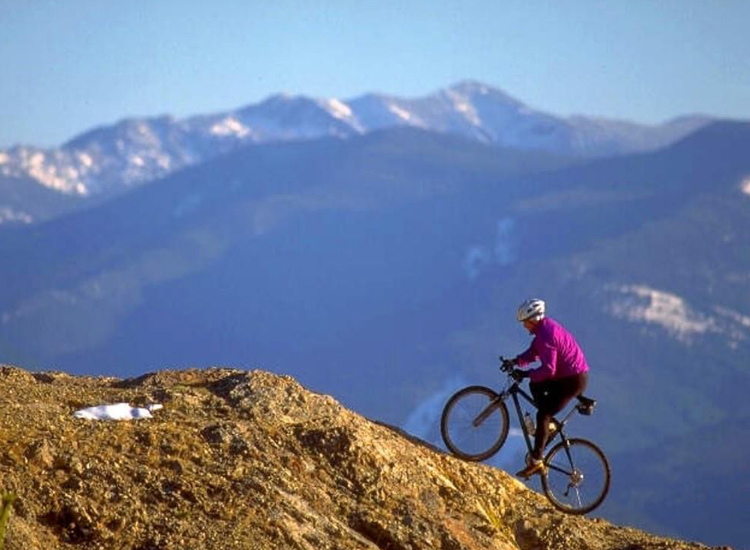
x=540, y=391
x=551, y=397
x=541, y=435
x=536, y=465
x=545, y=395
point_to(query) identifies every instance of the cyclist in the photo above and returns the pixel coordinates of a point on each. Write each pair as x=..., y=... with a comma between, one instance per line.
x=563, y=373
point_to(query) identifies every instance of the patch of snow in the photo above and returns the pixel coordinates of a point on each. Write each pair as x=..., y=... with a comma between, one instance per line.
x=164, y=161
x=230, y=126
x=4, y=157
x=36, y=160
x=475, y=260
x=338, y=109
x=737, y=325
x=343, y=112
x=641, y=303
x=85, y=159
x=465, y=107
x=47, y=175
x=118, y=411
x=742, y=320
x=401, y=113
x=502, y=252
x=8, y=215
x=504, y=242
x=746, y=186
x=55, y=169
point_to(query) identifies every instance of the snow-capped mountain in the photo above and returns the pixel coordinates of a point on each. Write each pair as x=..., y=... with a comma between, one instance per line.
x=109, y=159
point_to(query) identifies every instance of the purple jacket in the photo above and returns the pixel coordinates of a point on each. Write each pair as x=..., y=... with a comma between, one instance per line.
x=557, y=350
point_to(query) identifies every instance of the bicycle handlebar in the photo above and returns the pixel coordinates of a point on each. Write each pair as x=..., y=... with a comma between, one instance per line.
x=506, y=365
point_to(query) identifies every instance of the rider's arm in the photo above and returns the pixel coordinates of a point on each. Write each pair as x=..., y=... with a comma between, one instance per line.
x=548, y=357
x=542, y=349
x=528, y=356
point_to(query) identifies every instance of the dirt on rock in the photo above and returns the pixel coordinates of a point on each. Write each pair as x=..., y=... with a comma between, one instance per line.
x=251, y=460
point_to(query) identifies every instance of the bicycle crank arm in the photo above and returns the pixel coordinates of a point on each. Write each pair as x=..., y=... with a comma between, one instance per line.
x=485, y=413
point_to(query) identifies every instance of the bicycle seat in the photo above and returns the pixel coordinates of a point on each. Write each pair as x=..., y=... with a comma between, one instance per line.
x=585, y=405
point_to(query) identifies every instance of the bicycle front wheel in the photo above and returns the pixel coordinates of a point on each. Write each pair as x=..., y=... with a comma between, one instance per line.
x=577, y=478
x=474, y=424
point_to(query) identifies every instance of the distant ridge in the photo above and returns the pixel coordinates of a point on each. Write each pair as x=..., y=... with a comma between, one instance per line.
x=109, y=159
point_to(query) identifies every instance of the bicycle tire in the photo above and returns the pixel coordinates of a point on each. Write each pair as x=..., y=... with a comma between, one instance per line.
x=461, y=436
x=588, y=470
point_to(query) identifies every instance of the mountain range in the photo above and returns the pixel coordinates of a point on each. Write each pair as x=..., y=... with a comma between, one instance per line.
x=106, y=161
x=385, y=268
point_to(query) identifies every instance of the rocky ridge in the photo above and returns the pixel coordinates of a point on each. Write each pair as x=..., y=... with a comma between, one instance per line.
x=251, y=460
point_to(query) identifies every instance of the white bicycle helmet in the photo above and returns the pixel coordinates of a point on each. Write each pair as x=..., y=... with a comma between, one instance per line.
x=532, y=310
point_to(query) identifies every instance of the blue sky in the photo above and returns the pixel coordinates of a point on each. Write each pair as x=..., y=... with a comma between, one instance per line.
x=69, y=65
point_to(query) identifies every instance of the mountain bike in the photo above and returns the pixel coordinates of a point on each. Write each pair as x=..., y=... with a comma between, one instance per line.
x=475, y=424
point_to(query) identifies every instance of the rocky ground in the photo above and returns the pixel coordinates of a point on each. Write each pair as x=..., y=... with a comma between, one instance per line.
x=251, y=460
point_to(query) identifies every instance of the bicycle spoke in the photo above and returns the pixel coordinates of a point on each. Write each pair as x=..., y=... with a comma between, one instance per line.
x=555, y=468
x=578, y=498
x=577, y=478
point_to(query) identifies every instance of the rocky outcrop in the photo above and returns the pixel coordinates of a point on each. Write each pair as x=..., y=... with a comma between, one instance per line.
x=252, y=460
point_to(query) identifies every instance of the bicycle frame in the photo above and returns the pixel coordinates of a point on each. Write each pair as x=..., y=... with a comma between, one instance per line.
x=514, y=391
x=565, y=485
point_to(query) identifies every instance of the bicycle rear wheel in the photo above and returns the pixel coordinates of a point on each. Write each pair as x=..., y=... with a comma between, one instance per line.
x=474, y=424
x=577, y=478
